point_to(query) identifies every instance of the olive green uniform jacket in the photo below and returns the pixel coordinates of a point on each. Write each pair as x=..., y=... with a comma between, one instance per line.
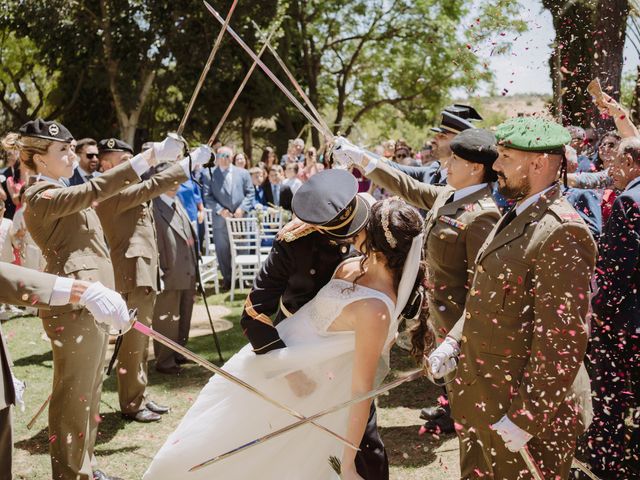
x=454, y=232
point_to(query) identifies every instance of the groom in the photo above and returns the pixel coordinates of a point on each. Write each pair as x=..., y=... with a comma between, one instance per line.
x=295, y=271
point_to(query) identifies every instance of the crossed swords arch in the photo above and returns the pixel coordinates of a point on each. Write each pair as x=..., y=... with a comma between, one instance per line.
x=317, y=121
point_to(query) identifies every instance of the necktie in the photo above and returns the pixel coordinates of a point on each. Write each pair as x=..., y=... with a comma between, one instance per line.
x=89, y=177
x=507, y=219
x=276, y=194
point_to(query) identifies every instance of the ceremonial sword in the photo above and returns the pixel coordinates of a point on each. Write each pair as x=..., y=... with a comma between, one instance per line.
x=415, y=374
x=326, y=133
x=294, y=82
x=204, y=72
x=216, y=130
x=167, y=342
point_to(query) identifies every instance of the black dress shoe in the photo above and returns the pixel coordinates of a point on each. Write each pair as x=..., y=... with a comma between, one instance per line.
x=143, y=416
x=169, y=370
x=100, y=475
x=183, y=360
x=438, y=426
x=431, y=413
x=155, y=408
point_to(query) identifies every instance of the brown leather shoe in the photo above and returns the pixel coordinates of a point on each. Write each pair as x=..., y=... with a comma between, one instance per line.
x=143, y=416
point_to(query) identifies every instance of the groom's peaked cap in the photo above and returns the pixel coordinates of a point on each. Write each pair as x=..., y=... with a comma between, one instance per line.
x=330, y=201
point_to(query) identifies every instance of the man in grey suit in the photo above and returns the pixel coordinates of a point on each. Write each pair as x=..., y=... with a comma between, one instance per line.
x=228, y=191
x=177, y=258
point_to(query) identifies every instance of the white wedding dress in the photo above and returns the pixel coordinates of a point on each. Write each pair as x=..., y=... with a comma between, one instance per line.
x=225, y=416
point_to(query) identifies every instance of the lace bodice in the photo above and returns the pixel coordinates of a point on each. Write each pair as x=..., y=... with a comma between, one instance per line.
x=334, y=297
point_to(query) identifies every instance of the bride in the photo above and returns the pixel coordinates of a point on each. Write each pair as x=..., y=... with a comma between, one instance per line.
x=337, y=348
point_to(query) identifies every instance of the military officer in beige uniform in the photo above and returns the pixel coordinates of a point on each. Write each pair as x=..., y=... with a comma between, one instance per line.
x=127, y=220
x=26, y=287
x=522, y=339
x=460, y=217
x=65, y=226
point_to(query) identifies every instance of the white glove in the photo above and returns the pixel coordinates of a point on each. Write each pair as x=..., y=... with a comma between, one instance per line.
x=346, y=153
x=443, y=360
x=199, y=156
x=168, y=150
x=106, y=306
x=19, y=387
x=514, y=437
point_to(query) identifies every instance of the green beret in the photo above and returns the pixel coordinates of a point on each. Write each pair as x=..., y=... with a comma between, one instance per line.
x=533, y=134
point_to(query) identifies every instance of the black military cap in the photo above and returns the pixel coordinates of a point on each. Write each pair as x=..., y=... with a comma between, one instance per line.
x=40, y=128
x=476, y=145
x=464, y=111
x=330, y=201
x=452, y=124
x=114, y=145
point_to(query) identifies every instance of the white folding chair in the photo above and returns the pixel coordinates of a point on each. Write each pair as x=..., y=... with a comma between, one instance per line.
x=270, y=225
x=209, y=261
x=244, y=239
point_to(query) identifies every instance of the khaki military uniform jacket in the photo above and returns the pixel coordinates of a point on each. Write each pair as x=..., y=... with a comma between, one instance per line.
x=63, y=223
x=19, y=286
x=524, y=332
x=454, y=232
x=127, y=219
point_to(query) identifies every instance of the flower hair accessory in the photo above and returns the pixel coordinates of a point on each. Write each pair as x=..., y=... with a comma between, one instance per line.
x=386, y=208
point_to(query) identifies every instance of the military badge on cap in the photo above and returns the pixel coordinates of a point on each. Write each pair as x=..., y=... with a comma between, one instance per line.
x=114, y=145
x=54, y=130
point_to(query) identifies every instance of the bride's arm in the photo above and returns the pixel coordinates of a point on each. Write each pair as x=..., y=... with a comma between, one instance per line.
x=371, y=322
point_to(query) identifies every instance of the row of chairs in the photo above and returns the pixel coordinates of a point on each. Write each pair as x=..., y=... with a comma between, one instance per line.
x=250, y=239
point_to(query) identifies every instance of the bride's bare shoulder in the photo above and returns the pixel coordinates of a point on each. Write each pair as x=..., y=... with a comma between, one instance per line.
x=349, y=269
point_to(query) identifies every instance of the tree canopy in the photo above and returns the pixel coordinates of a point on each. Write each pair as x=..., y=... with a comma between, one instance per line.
x=127, y=68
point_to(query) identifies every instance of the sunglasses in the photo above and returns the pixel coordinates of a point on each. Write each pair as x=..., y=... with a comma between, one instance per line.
x=91, y=156
x=401, y=155
x=222, y=155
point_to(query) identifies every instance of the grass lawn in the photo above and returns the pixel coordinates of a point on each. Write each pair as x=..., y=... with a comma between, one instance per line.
x=125, y=448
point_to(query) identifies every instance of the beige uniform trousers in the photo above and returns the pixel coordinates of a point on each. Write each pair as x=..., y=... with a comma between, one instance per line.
x=79, y=349
x=483, y=455
x=134, y=353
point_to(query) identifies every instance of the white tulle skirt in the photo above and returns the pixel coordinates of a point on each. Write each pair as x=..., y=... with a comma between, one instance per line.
x=225, y=416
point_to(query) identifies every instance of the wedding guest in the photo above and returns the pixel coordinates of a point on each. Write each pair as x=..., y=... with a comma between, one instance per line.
x=257, y=179
x=268, y=158
x=292, y=180
x=88, y=162
x=295, y=152
x=310, y=167
x=273, y=186
x=240, y=161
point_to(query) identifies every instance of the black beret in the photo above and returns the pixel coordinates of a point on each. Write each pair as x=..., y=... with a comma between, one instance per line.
x=330, y=201
x=476, y=145
x=452, y=124
x=40, y=128
x=114, y=145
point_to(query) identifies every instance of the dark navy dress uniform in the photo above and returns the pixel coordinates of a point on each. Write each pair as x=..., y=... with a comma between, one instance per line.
x=614, y=446
x=295, y=271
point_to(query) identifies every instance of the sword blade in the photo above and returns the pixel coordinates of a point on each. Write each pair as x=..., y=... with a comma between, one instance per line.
x=584, y=469
x=232, y=378
x=271, y=75
x=294, y=82
x=216, y=130
x=366, y=396
x=205, y=70
x=532, y=466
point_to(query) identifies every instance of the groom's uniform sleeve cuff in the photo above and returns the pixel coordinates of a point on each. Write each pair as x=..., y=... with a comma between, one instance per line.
x=259, y=329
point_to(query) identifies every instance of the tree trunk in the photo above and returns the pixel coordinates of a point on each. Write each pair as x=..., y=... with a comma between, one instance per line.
x=635, y=102
x=608, y=37
x=571, y=60
x=247, y=141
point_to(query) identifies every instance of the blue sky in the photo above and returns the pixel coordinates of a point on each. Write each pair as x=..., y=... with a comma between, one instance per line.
x=526, y=69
